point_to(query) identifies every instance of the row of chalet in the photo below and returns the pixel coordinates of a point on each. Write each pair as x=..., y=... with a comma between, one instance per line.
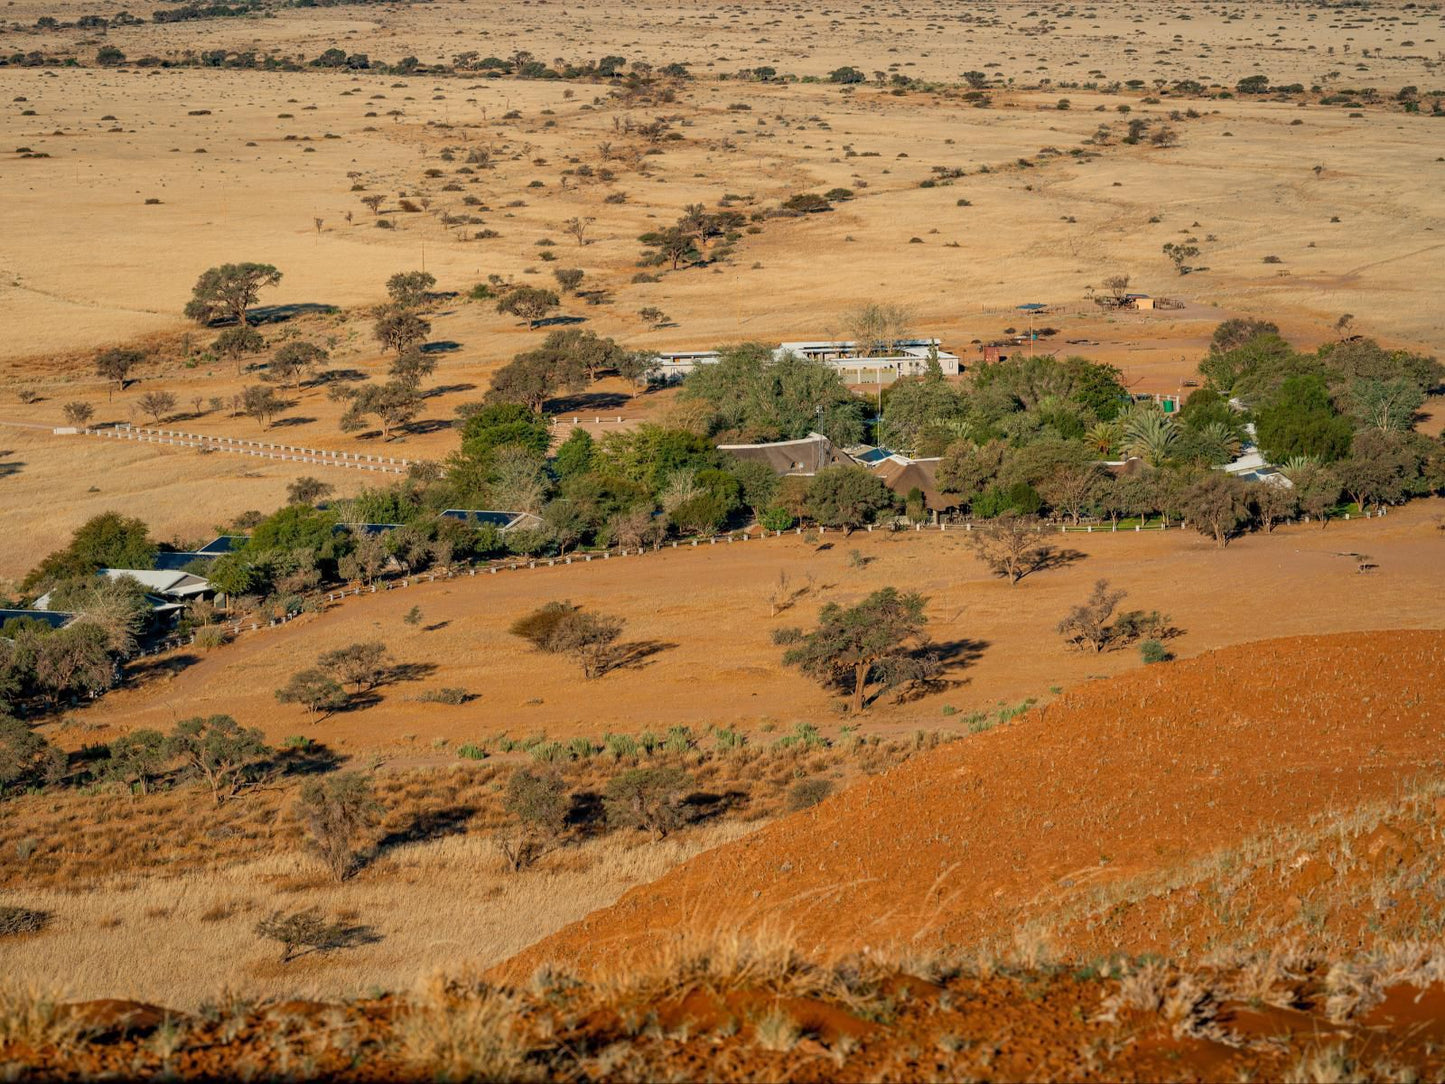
x=808, y=455
x=906, y=357
x=178, y=577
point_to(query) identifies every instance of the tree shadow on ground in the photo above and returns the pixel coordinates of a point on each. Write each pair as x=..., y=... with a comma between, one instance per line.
x=342, y=935
x=11, y=467
x=1050, y=558
x=140, y=671
x=447, y=389
x=423, y=827
x=313, y=759
x=635, y=655
x=590, y=401
x=935, y=660
x=437, y=627
x=558, y=321
x=441, y=346
x=409, y=671
x=337, y=376
x=587, y=814
x=279, y=314
x=291, y=423
x=427, y=425
x=702, y=806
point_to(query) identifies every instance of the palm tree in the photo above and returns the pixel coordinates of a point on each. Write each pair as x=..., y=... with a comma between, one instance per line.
x=1221, y=434
x=1151, y=435
x=1104, y=437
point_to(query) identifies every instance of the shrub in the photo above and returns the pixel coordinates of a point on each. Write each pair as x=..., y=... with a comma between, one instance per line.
x=335, y=812
x=15, y=921
x=448, y=694
x=621, y=745
x=472, y=751
x=303, y=930
x=538, y=805
x=647, y=798
x=786, y=636
x=777, y=519
x=1153, y=651
x=806, y=793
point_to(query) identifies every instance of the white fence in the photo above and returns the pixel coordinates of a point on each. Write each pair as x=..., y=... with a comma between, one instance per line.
x=321, y=457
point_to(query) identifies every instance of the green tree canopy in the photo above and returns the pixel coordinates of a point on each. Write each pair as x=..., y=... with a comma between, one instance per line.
x=228, y=291
x=853, y=646
x=109, y=540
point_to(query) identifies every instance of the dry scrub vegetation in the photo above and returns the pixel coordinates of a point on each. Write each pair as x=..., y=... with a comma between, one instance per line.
x=736, y=1010
x=451, y=867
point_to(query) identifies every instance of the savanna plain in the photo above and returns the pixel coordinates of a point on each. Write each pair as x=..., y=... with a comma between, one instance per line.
x=1065, y=700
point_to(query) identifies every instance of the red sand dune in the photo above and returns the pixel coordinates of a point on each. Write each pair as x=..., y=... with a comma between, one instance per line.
x=1115, y=778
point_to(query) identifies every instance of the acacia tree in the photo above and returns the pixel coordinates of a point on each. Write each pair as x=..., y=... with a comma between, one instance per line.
x=23, y=753
x=538, y=804
x=1011, y=546
x=1073, y=488
x=78, y=413
x=411, y=367
x=1273, y=503
x=225, y=754
x=364, y=665
x=157, y=404
x=315, y=690
x=238, y=342
x=294, y=360
x=398, y=328
x=647, y=798
x=876, y=328
x=875, y=639
x=261, y=403
x=410, y=288
x=337, y=812
x=529, y=303
x=115, y=366
x=393, y=405
x=847, y=496
x=559, y=628
x=532, y=378
x=1090, y=623
x=228, y=291
x=139, y=755
x=1217, y=504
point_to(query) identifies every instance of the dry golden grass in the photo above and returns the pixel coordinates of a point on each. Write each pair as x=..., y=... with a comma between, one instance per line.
x=445, y=903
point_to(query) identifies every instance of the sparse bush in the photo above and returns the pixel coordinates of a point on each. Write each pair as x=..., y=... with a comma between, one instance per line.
x=302, y=930
x=649, y=799
x=336, y=811
x=806, y=793
x=1152, y=651
x=559, y=628
x=315, y=690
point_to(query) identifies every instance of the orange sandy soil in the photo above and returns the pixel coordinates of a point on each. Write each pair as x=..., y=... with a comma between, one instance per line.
x=1149, y=770
x=700, y=618
x=779, y=1018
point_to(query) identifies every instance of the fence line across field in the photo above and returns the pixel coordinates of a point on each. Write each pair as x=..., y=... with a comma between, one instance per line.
x=322, y=457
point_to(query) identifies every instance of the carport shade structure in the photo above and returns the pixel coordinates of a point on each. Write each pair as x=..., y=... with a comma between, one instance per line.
x=1033, y=308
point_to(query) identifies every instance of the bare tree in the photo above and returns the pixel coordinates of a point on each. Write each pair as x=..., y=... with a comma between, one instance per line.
x=577, y=228
x=1011, y=546
x=1089, y=624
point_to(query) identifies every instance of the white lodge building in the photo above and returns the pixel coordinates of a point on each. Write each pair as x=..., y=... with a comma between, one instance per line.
x=909, y=358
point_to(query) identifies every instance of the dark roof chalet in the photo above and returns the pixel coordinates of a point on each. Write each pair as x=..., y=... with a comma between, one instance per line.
x=805, y=456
